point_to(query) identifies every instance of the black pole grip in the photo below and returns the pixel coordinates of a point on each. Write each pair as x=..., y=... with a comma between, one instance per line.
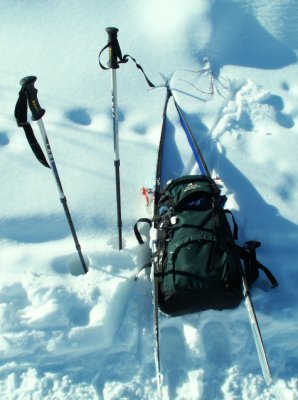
x=114, y=48
x=28, y=85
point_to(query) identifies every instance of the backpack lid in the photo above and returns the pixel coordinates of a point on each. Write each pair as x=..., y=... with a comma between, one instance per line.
x=189, y=186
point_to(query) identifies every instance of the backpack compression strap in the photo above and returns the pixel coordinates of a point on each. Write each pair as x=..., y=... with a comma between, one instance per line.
x=20, y=114
x=136, y=229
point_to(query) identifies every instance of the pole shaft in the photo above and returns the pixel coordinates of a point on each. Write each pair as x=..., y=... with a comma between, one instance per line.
x=257, y=336
x=51, y=157
x=116, y=154
x=74, y=235
x=118, y=199
x=60, y=191
x=115, y=115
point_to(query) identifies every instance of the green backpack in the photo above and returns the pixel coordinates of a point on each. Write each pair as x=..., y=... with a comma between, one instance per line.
x=198, y=264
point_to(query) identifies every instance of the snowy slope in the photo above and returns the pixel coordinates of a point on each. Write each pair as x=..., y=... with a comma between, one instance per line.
x=90, y=336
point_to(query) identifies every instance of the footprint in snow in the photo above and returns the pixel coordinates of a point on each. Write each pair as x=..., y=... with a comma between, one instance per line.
x=218, y=358
x=173, y=354
x=216, y=343
x=3, y=138
x=278, y=104
x=140, y=129
x=285, y=86
x=79, y=116
x=287, y=189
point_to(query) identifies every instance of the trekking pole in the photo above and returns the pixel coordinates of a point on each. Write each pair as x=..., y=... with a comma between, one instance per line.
x=30, y=92
x=116, y=58
x=114, y=52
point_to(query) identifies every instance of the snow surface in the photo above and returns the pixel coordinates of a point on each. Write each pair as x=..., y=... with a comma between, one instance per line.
x=90, y=336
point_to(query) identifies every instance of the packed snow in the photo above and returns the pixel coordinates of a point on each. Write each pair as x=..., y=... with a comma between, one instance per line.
x=65, y=335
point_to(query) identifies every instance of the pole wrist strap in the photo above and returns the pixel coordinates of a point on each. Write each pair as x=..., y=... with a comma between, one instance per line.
x=20, y=114
x=122, y=60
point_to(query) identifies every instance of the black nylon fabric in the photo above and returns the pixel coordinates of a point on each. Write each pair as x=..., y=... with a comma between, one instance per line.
x=122, y=60
x=198, y=268
x=21, y=116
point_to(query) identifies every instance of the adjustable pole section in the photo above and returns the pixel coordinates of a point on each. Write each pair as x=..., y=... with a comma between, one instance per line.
x=37, y=113
x=257, y=336
x=114, y=52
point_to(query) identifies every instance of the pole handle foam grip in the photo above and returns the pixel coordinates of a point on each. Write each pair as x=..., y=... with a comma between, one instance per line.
x=28, y=84
x=114, y=48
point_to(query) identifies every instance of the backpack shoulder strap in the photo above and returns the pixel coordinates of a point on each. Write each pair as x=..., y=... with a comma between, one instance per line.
x=136, y=229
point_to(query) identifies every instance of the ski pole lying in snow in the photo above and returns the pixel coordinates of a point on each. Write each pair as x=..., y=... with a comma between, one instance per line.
x=28, y=95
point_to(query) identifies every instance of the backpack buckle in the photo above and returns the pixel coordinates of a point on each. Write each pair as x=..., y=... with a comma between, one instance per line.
x=174, y=220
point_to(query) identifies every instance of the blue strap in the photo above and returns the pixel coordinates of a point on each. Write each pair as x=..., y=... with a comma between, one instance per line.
x=193, y=144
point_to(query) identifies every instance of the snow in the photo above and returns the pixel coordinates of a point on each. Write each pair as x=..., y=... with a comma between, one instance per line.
x=70, y=336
